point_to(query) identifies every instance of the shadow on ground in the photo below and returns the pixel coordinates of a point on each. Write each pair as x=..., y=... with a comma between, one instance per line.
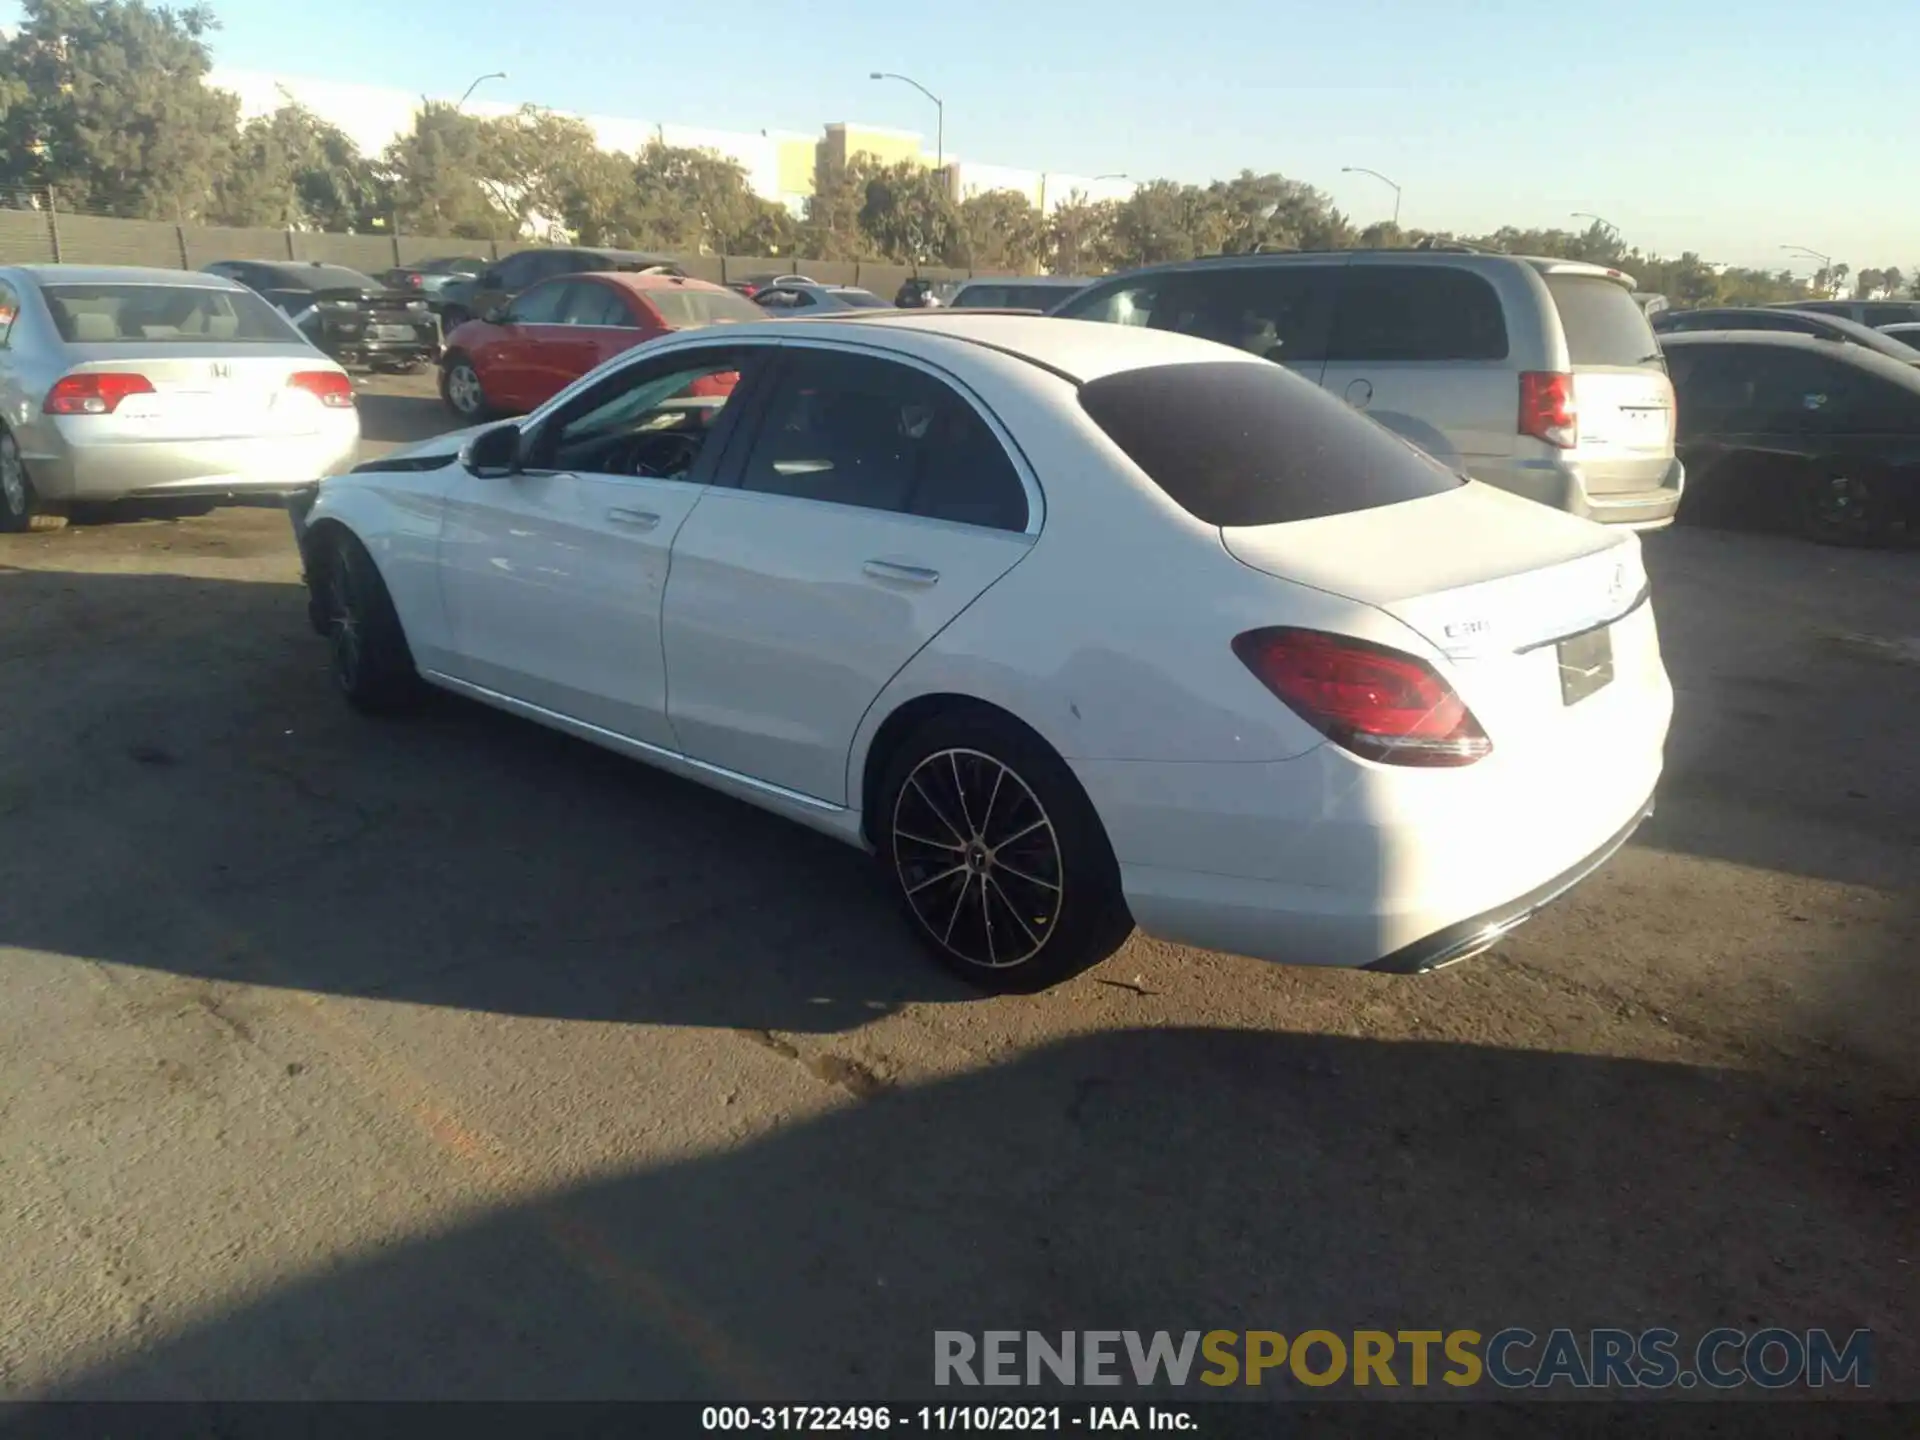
x=239, y=823
x=1178, y=1178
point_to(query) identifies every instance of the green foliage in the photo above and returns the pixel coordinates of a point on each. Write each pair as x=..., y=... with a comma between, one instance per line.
x=1075, y=238
x=443, y=177
x=105, y=106
x=293, y=169
x=909, y=216
x=1000, y=232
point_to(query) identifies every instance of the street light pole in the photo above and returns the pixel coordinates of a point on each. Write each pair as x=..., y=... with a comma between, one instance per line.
x=1826, y=261
x=478, y=82
x=1598, y=219
x=1362, y=170
x=939, y=113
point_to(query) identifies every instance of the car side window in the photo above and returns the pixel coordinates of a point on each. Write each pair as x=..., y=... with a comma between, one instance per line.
x=1416, y=312
x=1887, y=314
x=591, y=304
x=650, y=421
x=540, y=305
x=863, y=431
x=1793, y=392
x=1125, y=304
x=1278, y=312
x=9, y=312
x=517, y=272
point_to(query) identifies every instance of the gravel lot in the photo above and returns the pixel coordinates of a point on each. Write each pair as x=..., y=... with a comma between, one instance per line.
x=449, y=1057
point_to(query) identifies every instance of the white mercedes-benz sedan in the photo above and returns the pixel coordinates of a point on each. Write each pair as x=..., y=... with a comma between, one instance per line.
x=1075, y=626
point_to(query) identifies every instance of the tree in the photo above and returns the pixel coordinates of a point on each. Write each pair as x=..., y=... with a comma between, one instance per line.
x=292, y=168
x=702, y=200
x=1000, y=231
x=833, y=230
x=444, y=177
x=1078, y=235
x=1254, y=212
x=1892, y=281
x=108, y=108
x=1164, y=220
x=909, y=216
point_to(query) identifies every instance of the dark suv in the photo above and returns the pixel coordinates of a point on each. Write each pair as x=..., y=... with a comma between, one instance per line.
x=465, y=300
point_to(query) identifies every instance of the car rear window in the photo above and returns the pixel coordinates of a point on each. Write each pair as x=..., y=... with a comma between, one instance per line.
x=145, y=314
x=1603, y=323
x=1239, y=444
x=1011, y=297
x=324, y=277
x=685, y=309
x=861, y=299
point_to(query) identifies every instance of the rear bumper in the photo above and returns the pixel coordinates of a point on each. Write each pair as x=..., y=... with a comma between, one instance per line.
x=1585, y=491
x=64, y=470
x=1467, y=938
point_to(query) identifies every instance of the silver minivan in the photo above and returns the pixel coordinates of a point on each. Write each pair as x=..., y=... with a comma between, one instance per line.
x=1537, y=376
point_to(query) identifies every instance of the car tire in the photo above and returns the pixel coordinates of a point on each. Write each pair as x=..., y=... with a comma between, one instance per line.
x=996, y=854
x=461, y=390
x=370, y=659
x=21, y=508
x=1845, y=504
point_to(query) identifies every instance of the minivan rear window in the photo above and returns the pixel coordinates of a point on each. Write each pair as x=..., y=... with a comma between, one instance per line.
x=1603, y=322
x=1234, y=443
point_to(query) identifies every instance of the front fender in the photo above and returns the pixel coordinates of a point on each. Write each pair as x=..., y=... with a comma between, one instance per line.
x=397, y=518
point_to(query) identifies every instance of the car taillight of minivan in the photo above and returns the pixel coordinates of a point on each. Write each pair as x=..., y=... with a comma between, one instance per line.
x=1380, y=703
x=1546, y=408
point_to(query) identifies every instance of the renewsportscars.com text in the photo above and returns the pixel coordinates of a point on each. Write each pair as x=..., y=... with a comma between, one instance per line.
x=1514, y=1358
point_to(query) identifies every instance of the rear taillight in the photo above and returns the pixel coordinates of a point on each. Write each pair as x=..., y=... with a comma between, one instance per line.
x=94, y=393
x=1546, y=408
x=414, y=282
x=1377, y=702
x=330, y=387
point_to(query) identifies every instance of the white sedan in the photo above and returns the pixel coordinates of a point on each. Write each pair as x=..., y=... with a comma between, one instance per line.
x=1075, y=626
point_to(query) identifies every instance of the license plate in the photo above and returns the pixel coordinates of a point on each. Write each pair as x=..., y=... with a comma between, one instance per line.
x=1586, y=665
x=393, y=332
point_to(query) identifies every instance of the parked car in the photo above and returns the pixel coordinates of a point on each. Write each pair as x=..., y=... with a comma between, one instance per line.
x=817, y=299
x=1369, y=713
x=547, y=337
x=1861, y=312
x=1905, y=333
x=1835, y=328
x=431, y=277
x=118, y=383
x=1016, y=292
x=916, y=292
x=1651, y=302
x=350, y=316
x=1790, y=428
x=464, y=299
x=754, y=284
x=1538, y=376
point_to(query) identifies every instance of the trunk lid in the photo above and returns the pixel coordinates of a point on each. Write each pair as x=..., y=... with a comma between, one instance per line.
x=209, y=392
x=1623, y=400
x=1495, y=583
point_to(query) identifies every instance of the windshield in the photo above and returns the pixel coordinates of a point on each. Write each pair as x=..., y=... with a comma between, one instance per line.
x=861, y=299
x=105, y=314
x=1604, y=325
x=1012, y=297
x=687, y=309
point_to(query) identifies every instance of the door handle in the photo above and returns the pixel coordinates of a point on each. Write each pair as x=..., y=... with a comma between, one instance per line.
x=638, y=519
x=905, y=574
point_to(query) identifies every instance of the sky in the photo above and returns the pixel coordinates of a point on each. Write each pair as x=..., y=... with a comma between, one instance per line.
x=1727, y=127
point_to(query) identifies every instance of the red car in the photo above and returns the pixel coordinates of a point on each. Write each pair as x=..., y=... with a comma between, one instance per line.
x=551, y=334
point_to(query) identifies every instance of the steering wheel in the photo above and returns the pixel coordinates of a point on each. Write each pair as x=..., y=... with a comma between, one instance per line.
x=659, y=457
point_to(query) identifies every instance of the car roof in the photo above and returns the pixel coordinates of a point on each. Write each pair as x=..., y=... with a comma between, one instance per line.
x=628, y=280
x=1881, y=364
x=122, y=275
x=1076, y=350
x=1437, y=255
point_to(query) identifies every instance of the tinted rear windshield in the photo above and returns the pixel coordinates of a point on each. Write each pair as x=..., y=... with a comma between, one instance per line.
x=323, y=277
x=1239, y=444
x=106, y=314
x=1604, y=324
x=1011, y=297
x=861, y=299
x=684, y=309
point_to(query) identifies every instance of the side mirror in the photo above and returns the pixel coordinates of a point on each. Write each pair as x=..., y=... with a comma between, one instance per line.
x=494, y=452
x=497, y=316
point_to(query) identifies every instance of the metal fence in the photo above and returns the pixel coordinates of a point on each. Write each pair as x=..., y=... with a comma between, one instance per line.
x=46, y=235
